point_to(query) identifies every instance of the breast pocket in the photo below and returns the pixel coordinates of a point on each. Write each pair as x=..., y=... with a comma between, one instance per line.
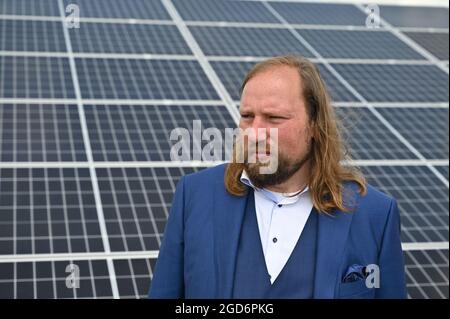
x=356, y=290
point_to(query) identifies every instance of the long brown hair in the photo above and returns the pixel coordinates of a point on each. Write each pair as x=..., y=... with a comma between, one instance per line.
x=327, y=174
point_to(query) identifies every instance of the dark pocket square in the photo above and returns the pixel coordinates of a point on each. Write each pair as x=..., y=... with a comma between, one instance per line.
x=354, y=273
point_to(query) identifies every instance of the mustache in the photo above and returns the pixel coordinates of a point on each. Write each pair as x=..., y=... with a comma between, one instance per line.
x=259, y=146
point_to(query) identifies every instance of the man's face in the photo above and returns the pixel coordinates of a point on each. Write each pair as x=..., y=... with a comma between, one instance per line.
x=274, y=99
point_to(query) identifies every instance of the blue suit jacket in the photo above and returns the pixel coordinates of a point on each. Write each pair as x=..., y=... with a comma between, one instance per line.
x=198, y=253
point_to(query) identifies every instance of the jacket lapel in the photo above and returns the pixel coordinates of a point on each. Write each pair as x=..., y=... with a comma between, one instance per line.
x=332, y=235
x=228, y=217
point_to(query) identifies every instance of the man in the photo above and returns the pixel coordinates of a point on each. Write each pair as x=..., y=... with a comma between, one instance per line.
x=311, y=229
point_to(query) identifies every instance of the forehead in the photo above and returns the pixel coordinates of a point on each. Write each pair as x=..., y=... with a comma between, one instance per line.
x=276, y=86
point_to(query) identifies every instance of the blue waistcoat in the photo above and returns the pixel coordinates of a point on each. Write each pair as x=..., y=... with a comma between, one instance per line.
x=252, y=279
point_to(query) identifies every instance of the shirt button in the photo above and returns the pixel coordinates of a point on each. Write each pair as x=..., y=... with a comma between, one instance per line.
x=279, y=205
x=274, y=239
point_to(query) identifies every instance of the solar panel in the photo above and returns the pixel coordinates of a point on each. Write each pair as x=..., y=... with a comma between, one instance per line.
x=136, y=203
x=48, y=210
x=399, y=83
x=29, y=8
x=247, y=41
x=86, y=177
x=39, y=133
x=358, y=44
x=422, y=199
x=132, y=9
x=23, y=35
x=35, y=77
x=232, y=74
x=143, y=79
x=128, y=38
x=367, y=138
x=425, y=17
x=223, y=10
x=443, y=170
x=47, y=279
x=314, y=13
x=133, y=277
x=427, y=274
x=425, y=128
x=140, y=133
x=435, y=43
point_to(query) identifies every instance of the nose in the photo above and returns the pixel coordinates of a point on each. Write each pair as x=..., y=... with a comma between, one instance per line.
x=260, y=130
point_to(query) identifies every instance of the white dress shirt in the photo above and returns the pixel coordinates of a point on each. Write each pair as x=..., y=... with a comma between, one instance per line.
x=281, y=220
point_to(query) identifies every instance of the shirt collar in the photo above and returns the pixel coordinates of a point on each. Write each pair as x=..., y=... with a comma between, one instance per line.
x=277, y=198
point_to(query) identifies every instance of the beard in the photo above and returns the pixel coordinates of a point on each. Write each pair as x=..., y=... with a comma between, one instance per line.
x=286, y=168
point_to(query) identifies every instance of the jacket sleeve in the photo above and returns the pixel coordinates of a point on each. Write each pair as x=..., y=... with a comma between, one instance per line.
x=168, y=279
x=391, y=261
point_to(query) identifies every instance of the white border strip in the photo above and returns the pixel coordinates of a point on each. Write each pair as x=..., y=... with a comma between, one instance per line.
x=100, y=55
x=86, y=19
x=413, y=162
x=425, y=246
x=113, y=102
x=230, y=24
x=151, y=254
x=218, y=58
x=394, y=105
x=95, y=187
x=405, y=162
x=422, y=30
x=429, y=105
x=186, y=57
x=408, y=3
x=267, y=25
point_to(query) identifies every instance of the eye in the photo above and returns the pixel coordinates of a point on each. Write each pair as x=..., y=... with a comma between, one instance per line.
x=276, y=117
x=246, y=116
